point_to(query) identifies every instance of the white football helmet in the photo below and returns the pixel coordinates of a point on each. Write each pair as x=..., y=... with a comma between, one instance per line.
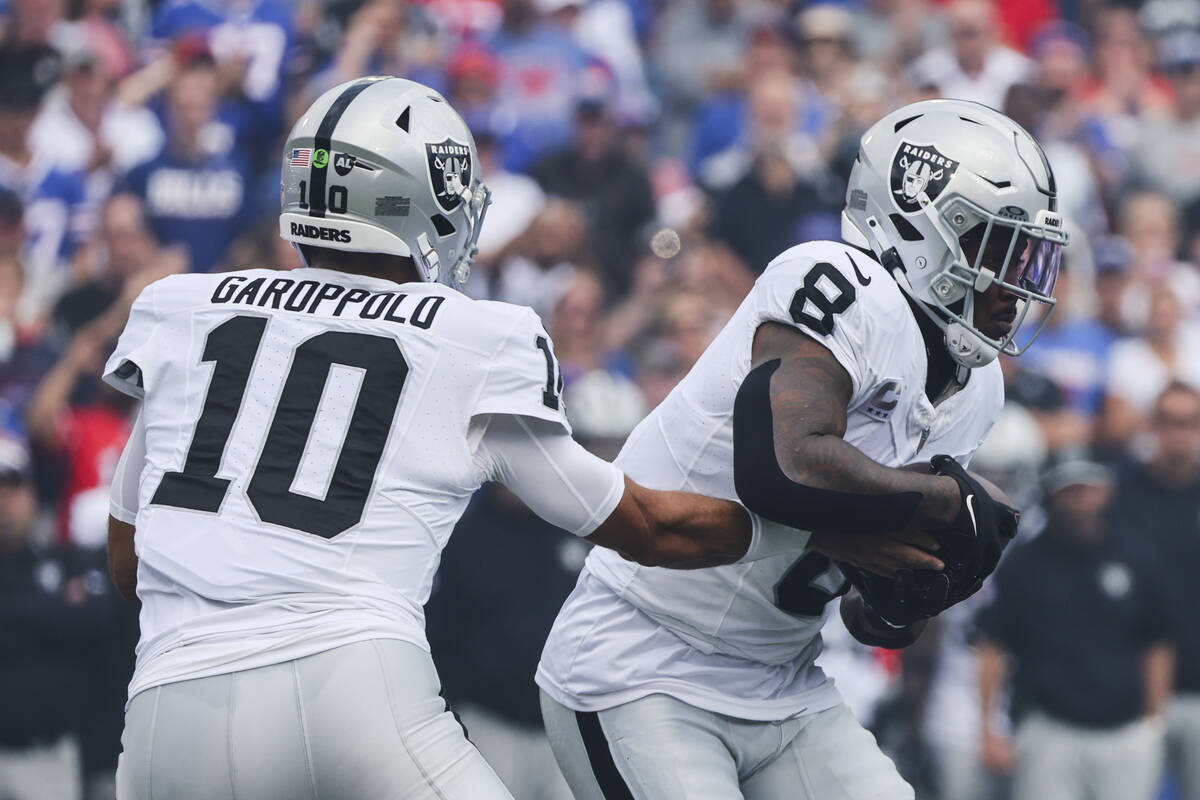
x=938, y=174
x=385, y=165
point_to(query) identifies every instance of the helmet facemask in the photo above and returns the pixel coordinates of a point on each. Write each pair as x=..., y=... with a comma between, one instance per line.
x=1020, y=257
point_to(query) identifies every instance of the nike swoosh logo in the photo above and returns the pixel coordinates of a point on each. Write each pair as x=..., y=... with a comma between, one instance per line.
x=865, y=281
x=971, y=511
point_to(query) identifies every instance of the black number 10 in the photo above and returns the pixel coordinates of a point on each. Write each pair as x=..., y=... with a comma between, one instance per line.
x=232, y=347
x=339, y=198
x=554, y=379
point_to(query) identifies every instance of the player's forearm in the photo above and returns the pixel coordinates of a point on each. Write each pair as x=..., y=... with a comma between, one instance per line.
x=831, y=463
x=688, y=531
x=1158, y=672
x=791, y=464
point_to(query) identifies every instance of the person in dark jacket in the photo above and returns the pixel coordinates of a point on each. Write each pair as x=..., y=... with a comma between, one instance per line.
x=1159, y=502
x=1081, y=616
x=55, y=612
x=595, y=171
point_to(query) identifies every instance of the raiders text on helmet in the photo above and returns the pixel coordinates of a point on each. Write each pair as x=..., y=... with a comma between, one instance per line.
x=385, y=165
x=934, y=171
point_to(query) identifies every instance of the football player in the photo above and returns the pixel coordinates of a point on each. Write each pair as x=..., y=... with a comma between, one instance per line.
x=306, y=443
x=844, y=363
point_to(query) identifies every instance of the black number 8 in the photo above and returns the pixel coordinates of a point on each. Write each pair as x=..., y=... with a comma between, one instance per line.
x=809, y=293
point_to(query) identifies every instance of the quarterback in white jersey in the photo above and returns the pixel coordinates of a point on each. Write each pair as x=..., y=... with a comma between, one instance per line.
x=308, y=440
x=844, y=362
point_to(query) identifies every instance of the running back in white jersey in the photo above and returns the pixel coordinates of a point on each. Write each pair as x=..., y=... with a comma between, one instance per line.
x=308, y=453
x=741, y=638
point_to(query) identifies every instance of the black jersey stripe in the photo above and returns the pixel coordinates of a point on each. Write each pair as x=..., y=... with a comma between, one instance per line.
x=323, y=140
x=604, y=769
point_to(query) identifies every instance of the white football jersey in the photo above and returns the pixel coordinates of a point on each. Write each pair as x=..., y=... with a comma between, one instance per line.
x=741, y=639
x=308, y=453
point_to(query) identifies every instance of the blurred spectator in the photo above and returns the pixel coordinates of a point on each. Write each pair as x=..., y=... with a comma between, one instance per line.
x=57, y=609
x=24, y=356
x=976, y=67
x=827, y=56
x=605, y=29
x=123, y=248
x=580, y=335
x=1112, y=258
x=1167, y=156
x=378, y=42
x=249, y=40
x=82, y=424
x=1140, y=367
x=194, y=193
x=1123, y=89
x=699, y=51
x=26, y=73
x=516, y=200
x=1149, y=221
x=82, y=126
x=770, y=184
x=1159, y=502
x=541, y=75
x=487, y=660
x=1073, y=350
x=610, y=186
x=777, y=111
x=894, y=32
x=543, y=263
x=1081, y=617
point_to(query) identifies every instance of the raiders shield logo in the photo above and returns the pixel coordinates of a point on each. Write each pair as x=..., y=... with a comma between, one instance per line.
x=919, y=169
x=343, y=163
x=449, y=171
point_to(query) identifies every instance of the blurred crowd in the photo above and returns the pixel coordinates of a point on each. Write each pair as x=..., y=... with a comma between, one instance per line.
x=648, y=158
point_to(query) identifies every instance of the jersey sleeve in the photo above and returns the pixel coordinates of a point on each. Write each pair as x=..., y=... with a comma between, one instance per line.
x=125, y=368
x=553, y=474
x=524, y=378
x=822, y=294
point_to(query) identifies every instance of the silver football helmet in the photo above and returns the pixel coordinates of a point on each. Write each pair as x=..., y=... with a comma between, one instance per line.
x=938, y=175
x=385, y=165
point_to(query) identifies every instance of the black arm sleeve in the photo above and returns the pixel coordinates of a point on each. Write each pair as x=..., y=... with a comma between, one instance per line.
x=763, y=487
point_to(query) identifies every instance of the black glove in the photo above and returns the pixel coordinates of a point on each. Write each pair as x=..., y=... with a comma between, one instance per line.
x=970, y=548
x=973, y=543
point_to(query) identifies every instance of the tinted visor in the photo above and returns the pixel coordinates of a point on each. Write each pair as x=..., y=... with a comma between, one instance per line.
x=1016, y=257
x=1038, y=271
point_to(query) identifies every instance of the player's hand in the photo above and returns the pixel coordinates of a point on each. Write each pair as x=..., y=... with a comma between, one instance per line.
x=996, y=752
x=881, y=553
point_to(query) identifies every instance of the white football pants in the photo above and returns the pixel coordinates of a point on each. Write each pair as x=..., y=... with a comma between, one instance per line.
x=360, y=721
x=660, y=748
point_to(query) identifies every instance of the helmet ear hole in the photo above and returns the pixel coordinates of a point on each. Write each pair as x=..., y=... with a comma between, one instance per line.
x=402, y=120
x=906, y=229
x=443, y=226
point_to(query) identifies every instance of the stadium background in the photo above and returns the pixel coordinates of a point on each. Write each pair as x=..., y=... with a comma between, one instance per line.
x=648, y=158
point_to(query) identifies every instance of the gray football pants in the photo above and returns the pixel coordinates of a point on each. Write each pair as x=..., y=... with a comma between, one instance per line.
x=355, y=722
x=660, y=748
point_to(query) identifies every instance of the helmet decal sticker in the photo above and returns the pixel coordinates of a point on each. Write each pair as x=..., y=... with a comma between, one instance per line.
x=449, y=171
x=917, y=169
x=343, y=163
